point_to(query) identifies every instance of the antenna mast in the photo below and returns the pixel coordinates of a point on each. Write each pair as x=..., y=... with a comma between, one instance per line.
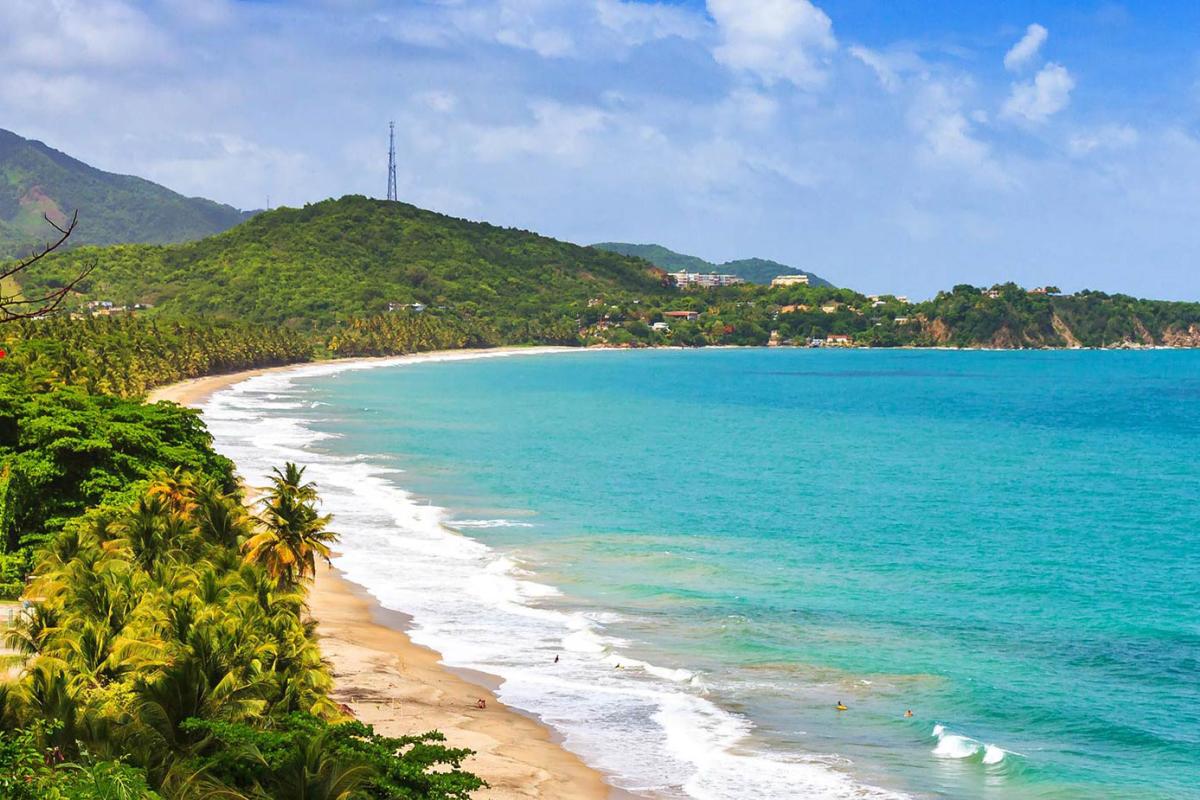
x=391, y=194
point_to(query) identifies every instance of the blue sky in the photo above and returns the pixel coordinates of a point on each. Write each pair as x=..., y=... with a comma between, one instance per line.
x=892, y=145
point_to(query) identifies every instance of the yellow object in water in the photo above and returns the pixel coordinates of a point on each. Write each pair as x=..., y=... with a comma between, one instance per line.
x=841, y=707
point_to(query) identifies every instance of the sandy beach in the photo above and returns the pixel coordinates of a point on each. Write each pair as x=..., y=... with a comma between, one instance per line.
x=402, y=688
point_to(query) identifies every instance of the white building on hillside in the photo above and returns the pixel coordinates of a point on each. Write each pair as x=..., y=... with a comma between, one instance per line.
x=707, y=280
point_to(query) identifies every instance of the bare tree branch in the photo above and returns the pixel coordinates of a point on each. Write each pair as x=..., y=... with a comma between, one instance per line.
x=11, y=308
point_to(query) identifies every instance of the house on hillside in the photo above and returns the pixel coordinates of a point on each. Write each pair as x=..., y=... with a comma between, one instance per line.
x=690, y=316
x=661, y=327
x=790, y=280
x=831, y=308
x=839, y=340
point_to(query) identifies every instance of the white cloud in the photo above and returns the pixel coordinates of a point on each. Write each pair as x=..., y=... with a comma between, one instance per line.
x=559, y=131
x=1025, y=50
x=778, y=40
x=876, y=61
x=1045, y=96
x=1107, y=137
x=62, y=34
x=948, y=138
x=30, y=91
x=550, y=28
x=750, y=109
x=440, y=101
x=638, y=23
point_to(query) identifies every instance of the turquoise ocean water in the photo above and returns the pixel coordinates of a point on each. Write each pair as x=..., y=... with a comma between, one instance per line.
x=720, y=545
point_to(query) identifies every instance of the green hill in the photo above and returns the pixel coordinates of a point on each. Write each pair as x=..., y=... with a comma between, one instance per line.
x=753, y=270
x=354, y=256
x=36, y=180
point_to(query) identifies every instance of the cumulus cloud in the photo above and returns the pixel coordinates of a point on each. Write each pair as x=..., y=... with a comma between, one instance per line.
x=1043, y=97
x=63, y=34
x=948, y=137
x=778, y=40
x=1026, y=49
x=561, y=132
x=638, y=23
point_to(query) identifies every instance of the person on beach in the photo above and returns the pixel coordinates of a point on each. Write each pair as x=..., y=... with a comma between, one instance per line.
x=481, y=703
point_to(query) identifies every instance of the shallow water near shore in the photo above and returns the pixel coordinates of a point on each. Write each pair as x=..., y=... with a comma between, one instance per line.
x=719, y=546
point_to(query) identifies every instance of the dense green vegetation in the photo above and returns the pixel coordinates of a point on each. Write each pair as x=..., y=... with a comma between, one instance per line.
x=128, y=355
x=37, y=180
x=168, y=650
x=363, y=277
x=1004, y=316
x=63, y=451
x=753, y=270
x=330, y=261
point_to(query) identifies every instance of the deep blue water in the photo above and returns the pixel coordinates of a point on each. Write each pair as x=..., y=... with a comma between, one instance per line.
x=1007, y=543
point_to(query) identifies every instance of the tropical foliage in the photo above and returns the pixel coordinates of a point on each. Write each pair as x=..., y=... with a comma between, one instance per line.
x=37, y=180
x=353, y=257
x=162, y=659
x=129, y=355
x=364, y=277
x=63, y=451
x=293, y=536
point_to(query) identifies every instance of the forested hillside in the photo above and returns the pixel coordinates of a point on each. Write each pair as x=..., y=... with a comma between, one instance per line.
x=357, y=276
x=340, y=258
x=36, y=180
x=753, y=270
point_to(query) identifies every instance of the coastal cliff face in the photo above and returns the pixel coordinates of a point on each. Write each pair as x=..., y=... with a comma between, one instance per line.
x=1064, y=332
x=937, y=332
x=1179, y=337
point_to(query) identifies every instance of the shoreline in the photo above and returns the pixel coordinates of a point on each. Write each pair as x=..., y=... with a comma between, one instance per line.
x=402, y=688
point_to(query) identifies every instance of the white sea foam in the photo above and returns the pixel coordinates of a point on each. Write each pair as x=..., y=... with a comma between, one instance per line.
x=649, y=726
x=489, y=523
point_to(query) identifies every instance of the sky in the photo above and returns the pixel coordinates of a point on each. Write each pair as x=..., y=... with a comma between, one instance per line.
x=896, y=146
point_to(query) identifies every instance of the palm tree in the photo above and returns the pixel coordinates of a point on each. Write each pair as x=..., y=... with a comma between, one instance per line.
x=294, y=535
x=316, y=771
x=145, y=530
x=221, y=517
x=176, y=488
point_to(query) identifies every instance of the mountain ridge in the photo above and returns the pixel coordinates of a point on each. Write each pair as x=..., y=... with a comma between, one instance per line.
x=753, y=270
x=37, y=180
x=346, y=257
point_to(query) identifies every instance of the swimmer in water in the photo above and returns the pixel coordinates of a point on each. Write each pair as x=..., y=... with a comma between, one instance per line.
x=840, y=707
x=908, y=713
